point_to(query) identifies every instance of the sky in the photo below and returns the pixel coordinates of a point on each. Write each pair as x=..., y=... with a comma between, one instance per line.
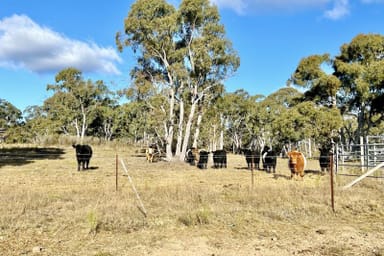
x=39, y=38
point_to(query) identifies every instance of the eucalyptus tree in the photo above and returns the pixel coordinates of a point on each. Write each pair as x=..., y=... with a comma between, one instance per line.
x=354, y=83
x=38, y=125
x=209, y=54
x=236, y=108
x=74, y=101
x=9, y=114
x=267, y=112
x=150, y=30
x=314, y=74
x=184, y=54
x=105, y=120
x=360, y=67
x=308, y=120
x=11, y=120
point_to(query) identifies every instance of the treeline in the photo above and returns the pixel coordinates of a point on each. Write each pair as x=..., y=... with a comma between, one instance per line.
x=177, y=98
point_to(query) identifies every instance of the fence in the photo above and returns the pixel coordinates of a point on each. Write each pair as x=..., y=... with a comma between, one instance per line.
x=2, y=134
x=355, y=158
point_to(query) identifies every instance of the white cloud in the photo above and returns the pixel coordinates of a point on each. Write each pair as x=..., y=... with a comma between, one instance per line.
x=26, y=44
x=340, y=9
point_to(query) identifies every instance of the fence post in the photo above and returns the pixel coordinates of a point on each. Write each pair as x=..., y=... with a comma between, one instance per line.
x=252, y=171
x=362, y=150
x=331, y=175
x=117, y=172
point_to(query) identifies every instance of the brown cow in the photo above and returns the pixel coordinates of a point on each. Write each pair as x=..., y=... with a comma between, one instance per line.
x=296, y=163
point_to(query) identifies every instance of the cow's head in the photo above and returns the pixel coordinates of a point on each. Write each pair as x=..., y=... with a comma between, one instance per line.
x=293, y=157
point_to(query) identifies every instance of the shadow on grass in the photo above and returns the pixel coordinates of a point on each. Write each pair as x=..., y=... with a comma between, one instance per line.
x=316, y=172
x=20, y=156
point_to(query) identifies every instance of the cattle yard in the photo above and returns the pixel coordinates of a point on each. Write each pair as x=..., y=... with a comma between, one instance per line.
x=47, y=207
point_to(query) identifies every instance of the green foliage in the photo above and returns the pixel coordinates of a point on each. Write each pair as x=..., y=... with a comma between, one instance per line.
x=359, y=66
x=182, y=57
x=77, y=104
x=321, y=86
x=306, y=120
x=355, y=86
x=9, y=114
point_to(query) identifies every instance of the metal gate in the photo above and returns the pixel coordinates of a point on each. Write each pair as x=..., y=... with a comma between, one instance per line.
x=358, y=158
x=374, y=150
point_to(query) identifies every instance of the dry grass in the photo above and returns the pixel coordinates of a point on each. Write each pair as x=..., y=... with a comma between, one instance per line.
x=48, y=208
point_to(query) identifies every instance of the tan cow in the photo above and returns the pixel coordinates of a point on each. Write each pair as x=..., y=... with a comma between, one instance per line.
x=149, y=153
x=296, y=163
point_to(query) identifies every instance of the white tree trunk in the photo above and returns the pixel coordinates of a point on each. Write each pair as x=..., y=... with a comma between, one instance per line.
x=188, y=130
x=180, y=128
x=83, y=123
x=197, y=130
x=170, y=126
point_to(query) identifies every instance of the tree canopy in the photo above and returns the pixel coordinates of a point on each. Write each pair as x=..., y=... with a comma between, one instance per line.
x=177, y=96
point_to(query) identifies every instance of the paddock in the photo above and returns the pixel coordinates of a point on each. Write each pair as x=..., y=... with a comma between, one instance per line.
x=46, y=205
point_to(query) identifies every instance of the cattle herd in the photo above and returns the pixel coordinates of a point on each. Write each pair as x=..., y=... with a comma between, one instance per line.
x=199, y=158
x=265, y=159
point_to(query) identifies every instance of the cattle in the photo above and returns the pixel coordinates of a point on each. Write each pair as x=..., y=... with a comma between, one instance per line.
x=151, y=152
x=219, y=159
x=269, y=157
x=296, y=163
x=252, y=157
x=192, y=156
x=83, y=155
x=203, y=159
x=324, y=159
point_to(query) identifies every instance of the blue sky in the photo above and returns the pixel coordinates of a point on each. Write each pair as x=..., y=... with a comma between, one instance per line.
x=39, y=38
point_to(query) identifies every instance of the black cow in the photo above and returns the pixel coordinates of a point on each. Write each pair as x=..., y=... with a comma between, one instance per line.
x=269, y=159
x=220, y=159
x=325, y=158
x=252, y=157
x=203, y=159
x=83, y=155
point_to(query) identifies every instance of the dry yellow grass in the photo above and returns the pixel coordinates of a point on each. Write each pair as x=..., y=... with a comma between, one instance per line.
x=48, y=208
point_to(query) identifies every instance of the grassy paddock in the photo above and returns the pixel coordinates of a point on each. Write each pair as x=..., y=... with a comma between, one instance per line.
x=46, y=206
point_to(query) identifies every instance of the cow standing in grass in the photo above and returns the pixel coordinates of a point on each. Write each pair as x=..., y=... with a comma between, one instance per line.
x=269, y=159
x=252, y=157
x=203, y=159
x=296, y=163
x=83, y=156
x=325, y=159
x=220, y=159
